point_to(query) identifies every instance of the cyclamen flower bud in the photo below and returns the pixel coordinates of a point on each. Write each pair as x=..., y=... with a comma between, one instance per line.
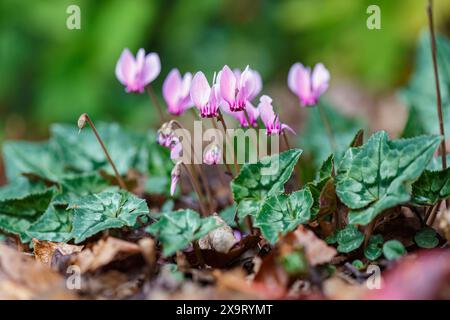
x=165, y=135
x=82, y=121
x=175, y=177
x=212, y=154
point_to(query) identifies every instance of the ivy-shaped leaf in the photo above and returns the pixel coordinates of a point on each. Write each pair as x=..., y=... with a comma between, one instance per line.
x=374, y=248
x=283, y=213
x=265, y=178
x=177, y=229
x=18, y=213
x=55, y=225
x=106, y=210
x=393, y=249
x=431, y=187
x=426, y=238
x=377, y=176
x=349, y=239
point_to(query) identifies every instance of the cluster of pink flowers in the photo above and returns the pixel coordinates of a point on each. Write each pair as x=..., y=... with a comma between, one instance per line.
x=231, y=91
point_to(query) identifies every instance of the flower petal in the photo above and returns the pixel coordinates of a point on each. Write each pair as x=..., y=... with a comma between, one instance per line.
x=320, y=79
x=227, y=85
x=125, y=67
x=200, y=90
x=152, y=68
x=266, y=110
x=172, y=87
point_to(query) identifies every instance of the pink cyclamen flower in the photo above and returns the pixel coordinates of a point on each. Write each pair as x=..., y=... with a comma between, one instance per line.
x=238, y=89
x=307, y=85
x=253, y=115
x=165, y=135
x=270, y=119
x=176, y=92
x=207, y=99
x=175, y=177
x=256, y=79
x=136, y=73
x=176, y=148
x=212, y=155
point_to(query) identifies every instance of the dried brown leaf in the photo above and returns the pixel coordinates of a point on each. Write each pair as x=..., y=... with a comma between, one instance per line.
x=44, y=250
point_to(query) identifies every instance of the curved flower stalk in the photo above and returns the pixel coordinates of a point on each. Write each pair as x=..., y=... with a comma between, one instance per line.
x=307, y=85
x=206, y=98
x=238, y=88
x=212, y=155
x=176, y=92
x=270, y=119
x=175, y=177
x=136, y=73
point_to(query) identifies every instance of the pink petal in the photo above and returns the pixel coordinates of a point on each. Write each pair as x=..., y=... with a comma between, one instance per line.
x=186, y=84
x=172, y=87
x=320, y=79
x=266, y=110
x=152, y=68
x=292, y=76
x=300, y=79
x=227, y=85
x=257, y=84
x=125, y=67
x=288, y=128
x=200, y=90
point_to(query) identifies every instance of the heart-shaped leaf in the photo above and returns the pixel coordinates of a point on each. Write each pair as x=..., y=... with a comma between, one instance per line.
x=55, y=225
x=177, y=229
x=431, y=187
x=106, y=210
x=283, y=213
x=265, y=178
x=376, y=176
x=393, y=249
x=426, y=238
x=374, y=248
x=349, y=239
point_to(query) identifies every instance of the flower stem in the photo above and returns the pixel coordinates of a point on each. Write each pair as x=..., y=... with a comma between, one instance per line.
x=224, y=152
x=195, y=184
x=105, y=151
x=438, y=88
x=328, y=128
x=154, y=99
x=255, y=140
x=229, y=142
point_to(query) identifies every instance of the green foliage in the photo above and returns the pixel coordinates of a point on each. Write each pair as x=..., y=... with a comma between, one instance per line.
x=106, y=210
x=283, y=213
x=177, y=229
x=358, y=264
x=393, y=249
x=426, y=238
x=265, y=178
x=374, y=248
x=55, y=224
x=18, y=212
x=420, y=94
x=294, y=263
x=322, y=189
x=377, y=176
x=349, y=239
x=431, y=187
x=228, y=215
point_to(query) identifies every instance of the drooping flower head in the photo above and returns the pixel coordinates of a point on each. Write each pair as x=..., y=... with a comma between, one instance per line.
x=212, y=155
x=165, y=134
x=307, y=85
x=238, y=88
x=136, y=73
x=176, y=92
x=270, y=119
x=207, y=99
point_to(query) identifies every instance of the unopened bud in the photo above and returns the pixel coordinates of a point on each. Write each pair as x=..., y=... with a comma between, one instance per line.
x=82, y=121
x=213, y=154
x=165, y=134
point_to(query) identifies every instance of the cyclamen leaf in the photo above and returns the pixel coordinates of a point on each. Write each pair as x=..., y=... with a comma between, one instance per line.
x=431, y=187
x=177, y=229
x=265, y=178
x=374, y=248
x=17, y=214
x=393, y=249
x=426, y=238
x=283, y=213
x=106, y=210
x=55, y=225
x=349, y=239
x=377, y=176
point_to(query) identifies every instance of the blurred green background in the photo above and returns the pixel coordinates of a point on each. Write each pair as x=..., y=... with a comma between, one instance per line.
x=51, y=74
